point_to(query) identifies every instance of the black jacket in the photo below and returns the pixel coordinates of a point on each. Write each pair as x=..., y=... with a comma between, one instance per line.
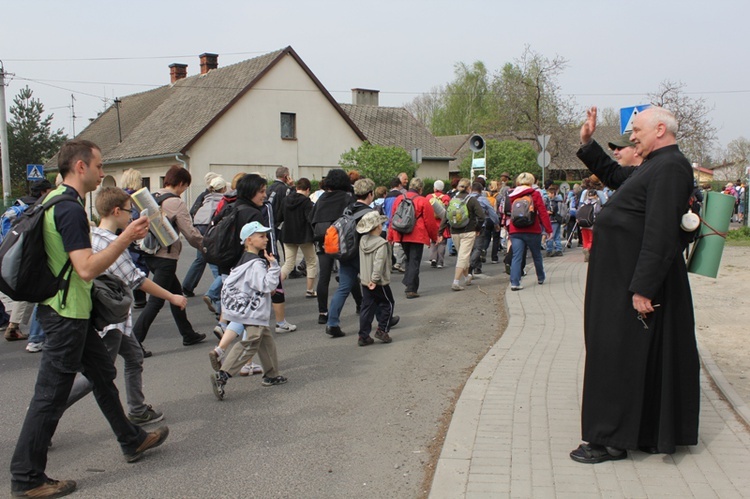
x=295, y=213
x=277, y=191
x=330, y=206
x=248, y=212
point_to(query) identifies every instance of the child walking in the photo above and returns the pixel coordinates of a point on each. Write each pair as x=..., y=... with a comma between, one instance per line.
x=375, y=273
x=246, y=303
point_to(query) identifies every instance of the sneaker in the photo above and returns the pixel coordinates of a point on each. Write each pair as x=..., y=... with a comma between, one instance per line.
x=411, y=294
x=334, y=331
x=217, y=384
x=150, y=415
x=215, y=359
x=251, y=368
x=50, y=488
x=14, y=333
x=322, y=318
x=399, y=268
x=433, y=264
x=285, y=327
x=493, y=262
x=394, y=320
x=219, y=331
x=549, y=253
x=383, y=336
x=468, y=280
x=146, y=353
x=365, y=341
x=278, y=380
x=557, y=253
x=153, y=439
x=34, y=347
x=210, y=304
x=194, y=339
x=516, y=288
x=311, y=293
x=440, y=265
x=540, y=282
x=139, y=304
x=457, y=287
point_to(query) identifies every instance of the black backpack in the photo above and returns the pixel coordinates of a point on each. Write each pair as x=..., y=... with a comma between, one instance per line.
x=24, y=272
x=221, y=244
x=586, y=215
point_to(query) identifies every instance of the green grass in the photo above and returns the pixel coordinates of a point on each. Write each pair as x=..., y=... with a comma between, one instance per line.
x=739, y=237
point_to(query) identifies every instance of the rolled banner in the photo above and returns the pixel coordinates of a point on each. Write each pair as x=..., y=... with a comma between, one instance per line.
x=705, y=256
x=158, y=224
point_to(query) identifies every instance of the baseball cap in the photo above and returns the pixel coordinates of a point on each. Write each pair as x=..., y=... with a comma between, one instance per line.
x=251, y=228
x=622, y=141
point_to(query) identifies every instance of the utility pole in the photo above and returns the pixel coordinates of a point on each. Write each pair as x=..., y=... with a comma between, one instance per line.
x=4, y=139
x=73, y=113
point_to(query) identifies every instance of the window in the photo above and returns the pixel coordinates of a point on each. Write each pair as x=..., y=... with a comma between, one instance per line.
x=146, y=182
x=288, y=126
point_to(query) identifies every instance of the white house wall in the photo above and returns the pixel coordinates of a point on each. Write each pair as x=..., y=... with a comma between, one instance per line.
x=247, y=137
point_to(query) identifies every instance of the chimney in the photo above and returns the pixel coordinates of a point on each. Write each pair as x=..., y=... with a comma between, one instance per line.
x=365, y=97
x=177, y=71
x=208, y=62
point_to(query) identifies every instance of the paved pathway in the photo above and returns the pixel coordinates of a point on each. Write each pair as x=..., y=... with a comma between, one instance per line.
x=518, y=416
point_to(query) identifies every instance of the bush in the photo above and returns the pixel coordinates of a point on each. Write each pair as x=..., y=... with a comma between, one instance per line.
x=378, y=163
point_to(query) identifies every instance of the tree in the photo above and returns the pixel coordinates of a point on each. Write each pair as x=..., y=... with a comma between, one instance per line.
x=378, y=163
x=465, y=103
x=696, y=133
x=30, y=137
x=736, y=158
x=426, y=106
x=509, y=156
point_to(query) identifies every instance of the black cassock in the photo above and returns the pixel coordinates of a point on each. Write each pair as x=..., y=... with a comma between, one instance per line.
x=641, y=386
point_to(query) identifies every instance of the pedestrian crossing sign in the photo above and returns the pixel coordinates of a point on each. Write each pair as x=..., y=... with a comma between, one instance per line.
x=628, y=114
x=34, y=172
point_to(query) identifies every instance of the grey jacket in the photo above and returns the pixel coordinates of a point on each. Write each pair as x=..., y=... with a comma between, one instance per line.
x=374, y=260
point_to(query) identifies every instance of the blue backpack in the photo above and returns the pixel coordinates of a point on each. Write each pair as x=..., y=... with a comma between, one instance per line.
x=10, y=216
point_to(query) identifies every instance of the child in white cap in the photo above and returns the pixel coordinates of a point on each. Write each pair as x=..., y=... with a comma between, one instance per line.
x=246, y=303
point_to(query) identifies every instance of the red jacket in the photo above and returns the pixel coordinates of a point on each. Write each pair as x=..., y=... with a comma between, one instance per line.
x=542, y=217
x=425, y=228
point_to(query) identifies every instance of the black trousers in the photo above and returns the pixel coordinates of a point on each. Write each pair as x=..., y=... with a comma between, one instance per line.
x=378, y=303
x=413, y=252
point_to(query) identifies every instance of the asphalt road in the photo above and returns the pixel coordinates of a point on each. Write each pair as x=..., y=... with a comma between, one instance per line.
x=351, y=421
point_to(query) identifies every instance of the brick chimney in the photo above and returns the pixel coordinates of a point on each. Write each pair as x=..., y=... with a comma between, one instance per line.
x=365, y=97
x=177, y=71
x=208, y=62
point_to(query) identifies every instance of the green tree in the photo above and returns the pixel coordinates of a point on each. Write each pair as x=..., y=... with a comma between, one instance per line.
x=509, y=156
x=465, y=103
x=30, y=137
x=378, y=163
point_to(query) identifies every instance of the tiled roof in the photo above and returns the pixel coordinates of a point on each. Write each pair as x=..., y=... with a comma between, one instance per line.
x=169, y=119
x=395, y=126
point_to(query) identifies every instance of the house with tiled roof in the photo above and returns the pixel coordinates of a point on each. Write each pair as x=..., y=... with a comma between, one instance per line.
x=253, y=116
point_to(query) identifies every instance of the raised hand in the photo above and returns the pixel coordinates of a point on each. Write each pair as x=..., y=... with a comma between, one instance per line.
x=589, y=126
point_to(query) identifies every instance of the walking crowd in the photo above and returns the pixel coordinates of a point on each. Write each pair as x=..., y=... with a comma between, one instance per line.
x=254, y=236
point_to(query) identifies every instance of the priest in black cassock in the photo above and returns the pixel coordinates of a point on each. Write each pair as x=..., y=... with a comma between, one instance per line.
x=641, y=387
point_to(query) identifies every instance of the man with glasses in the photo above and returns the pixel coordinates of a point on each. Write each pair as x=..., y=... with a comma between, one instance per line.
x=72, y=344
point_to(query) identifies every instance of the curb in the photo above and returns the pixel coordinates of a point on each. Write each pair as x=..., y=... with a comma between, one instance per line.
x=722, y=383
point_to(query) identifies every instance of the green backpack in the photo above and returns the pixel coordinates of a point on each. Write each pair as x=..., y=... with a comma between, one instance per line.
x=457, y=213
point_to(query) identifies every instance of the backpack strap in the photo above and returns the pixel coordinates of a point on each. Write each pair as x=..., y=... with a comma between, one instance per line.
x=68, y=266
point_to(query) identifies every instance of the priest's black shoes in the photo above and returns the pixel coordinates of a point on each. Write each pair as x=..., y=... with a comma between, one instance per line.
x=593, y=453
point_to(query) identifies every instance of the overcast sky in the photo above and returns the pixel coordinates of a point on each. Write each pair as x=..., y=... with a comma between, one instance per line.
x=618, y=51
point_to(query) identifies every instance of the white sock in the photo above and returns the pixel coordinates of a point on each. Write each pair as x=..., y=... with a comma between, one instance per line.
x=456, y=282
x=219, y=351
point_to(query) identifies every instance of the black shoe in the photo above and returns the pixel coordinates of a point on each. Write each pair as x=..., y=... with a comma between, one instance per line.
x=394, y=320
x=187, y=294
x=140, y=304
x=358, y=310
x=193, y=340
x=334, y=331
x=322, y=318
x=364, y=341
x=146, y=353
x=593, y=454
x=433, y=264
x=295, y=274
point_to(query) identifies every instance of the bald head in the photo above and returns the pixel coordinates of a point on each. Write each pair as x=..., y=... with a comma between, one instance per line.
x=653, y=129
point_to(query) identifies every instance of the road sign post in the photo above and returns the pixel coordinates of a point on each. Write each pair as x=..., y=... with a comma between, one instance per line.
x=544, y=157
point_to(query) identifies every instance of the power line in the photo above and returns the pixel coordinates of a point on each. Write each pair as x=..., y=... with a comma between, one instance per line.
x=139, y=58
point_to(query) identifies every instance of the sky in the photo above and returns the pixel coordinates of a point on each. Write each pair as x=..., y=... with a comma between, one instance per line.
x=617, y=52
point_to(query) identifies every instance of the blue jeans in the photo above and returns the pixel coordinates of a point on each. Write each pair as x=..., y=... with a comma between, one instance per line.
x=36, y=333
x=72, y=345
x=348, y=271
x=554, y=243
x=519, y=242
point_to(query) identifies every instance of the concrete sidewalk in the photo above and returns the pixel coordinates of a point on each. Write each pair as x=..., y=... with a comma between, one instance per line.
x=518, y=416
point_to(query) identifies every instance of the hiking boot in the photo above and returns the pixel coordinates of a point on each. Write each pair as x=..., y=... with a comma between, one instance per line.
x=322, y=318
x=278, y=380
x=411, y=294
x=210, y=304
x=217, y=384
x=150, y=415
x=14, y=333
x=34, y=347
x=50, y=488
x=285, y=327
x=193, y=340
x=382, y=336
x=251, y=368
x=394, y=320
x=153, y=439
x=365, y=341
x=334, y=331
x=215, y=359
x=457, y=287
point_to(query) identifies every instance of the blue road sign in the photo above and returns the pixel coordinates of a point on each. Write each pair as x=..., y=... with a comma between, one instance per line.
x=34, y=172
x=627, y=114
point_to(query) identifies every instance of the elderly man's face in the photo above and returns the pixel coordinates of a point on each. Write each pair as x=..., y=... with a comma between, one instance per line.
x=404, y=179
x=645, y=133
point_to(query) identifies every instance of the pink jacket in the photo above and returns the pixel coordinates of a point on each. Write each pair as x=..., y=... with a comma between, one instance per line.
x=542, y=217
